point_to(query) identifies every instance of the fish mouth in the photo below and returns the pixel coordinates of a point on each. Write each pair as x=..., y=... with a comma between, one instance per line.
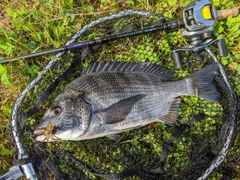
x=39, y=134
x=45, y=134
x=41, y=138
x=39, y=131
x=44, y=138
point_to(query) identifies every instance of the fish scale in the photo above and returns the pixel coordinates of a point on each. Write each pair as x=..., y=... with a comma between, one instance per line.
x=111, y=84
x=111, y=97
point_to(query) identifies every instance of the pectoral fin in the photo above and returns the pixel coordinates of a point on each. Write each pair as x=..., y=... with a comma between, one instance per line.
x=118, y=111
x=115, y=137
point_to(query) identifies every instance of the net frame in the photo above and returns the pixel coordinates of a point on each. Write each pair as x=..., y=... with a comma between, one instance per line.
x=215, y=164
x=50, y=64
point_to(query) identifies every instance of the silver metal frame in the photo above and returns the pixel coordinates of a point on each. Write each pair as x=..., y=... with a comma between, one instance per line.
x=28, y=169
x=223, y=153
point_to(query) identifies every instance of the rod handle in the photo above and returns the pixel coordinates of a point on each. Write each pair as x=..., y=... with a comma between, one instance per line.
x=176, y=60
x=222, y=48
x=224, y=14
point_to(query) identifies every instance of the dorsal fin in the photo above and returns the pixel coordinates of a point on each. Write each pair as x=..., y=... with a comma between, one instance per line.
x=146, y=67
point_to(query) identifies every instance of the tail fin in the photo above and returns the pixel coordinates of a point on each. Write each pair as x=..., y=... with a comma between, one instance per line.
x=202, y=83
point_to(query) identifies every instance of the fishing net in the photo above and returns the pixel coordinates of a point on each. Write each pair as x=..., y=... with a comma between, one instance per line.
x=195, y=147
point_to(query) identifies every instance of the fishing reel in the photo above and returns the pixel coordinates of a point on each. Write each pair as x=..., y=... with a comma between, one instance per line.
x=199, y=18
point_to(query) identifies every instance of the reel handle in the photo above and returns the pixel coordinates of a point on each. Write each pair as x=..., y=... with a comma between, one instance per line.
x=224, y=14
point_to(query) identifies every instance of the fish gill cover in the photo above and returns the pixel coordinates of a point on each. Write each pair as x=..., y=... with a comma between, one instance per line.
x=155, y=151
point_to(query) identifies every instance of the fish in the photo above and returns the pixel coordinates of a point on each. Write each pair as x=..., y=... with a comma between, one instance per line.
x=110, y=98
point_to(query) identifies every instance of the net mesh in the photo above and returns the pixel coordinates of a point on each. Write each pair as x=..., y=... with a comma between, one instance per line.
x=155, y=151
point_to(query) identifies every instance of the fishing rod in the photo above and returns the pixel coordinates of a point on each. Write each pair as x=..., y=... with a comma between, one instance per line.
x=203, y=15
x=168, y=26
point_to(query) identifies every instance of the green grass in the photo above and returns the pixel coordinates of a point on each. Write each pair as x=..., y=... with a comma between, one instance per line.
x=37, y=25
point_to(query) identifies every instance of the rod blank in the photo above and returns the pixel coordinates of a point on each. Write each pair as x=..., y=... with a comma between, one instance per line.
x=168, y=26
x=33, y=55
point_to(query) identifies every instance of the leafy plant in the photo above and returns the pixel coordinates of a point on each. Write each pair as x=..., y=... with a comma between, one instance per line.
x=5, y=152
x=229, y=30
x=3, y=74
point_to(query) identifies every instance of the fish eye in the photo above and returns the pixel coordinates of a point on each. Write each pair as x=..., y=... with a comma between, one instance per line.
x=56, y=111
x=54, y=131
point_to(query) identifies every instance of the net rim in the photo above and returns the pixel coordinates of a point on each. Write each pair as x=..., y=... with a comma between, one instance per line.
x=22, y=154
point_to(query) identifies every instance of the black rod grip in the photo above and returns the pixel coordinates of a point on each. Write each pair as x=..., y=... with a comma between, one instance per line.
x=222, y=49
x=176, y=60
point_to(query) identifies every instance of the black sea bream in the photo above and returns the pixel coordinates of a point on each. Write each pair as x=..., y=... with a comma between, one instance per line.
x=111, y=97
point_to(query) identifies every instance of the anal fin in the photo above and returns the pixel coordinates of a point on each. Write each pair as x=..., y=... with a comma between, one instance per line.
x=171, y=117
